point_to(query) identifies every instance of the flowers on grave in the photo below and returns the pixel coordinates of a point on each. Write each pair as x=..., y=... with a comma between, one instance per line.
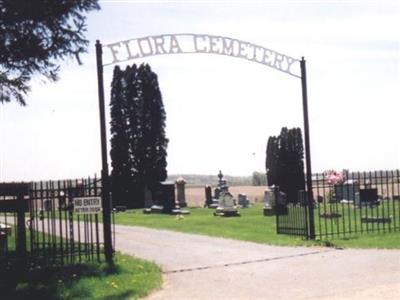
x=333, y=177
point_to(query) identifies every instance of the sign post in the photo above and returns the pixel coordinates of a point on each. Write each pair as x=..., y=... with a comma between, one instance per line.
x=105, y=195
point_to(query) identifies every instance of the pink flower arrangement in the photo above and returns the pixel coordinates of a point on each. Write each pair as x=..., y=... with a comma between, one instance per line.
x=333, y=177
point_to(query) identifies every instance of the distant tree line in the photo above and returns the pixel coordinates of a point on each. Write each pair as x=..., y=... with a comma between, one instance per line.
x=138, y=142
x=258, y=179
x=284, y=162
x=202, y=180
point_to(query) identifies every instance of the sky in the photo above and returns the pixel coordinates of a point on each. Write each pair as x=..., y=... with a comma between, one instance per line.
x=220, y=109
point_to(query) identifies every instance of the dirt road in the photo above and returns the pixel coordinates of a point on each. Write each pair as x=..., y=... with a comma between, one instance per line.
x=200, y=267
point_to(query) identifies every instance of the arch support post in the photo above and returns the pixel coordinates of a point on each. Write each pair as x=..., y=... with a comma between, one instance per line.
x=310, y=200
x=105, y=182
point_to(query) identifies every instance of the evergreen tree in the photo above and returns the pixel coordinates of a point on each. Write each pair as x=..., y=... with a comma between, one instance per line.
x=298, y=164
x=119, y=152
x=135, y=119
x=294, y=164
x=34, y=36
x=154, y=141
x=284, y=162
x=283, y=154
x=141, y=129
x=272, y=160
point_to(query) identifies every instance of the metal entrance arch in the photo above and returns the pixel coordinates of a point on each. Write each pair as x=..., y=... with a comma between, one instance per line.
x=181, y=43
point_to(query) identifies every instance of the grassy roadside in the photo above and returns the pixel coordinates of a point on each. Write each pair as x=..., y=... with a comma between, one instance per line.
x=130, y=278
x=251, y=226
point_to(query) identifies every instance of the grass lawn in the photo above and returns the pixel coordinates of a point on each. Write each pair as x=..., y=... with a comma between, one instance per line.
x=251, y=226
x=130, y=278
x=350, y=218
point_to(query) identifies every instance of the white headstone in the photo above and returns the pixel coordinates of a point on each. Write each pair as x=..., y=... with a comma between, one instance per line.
x=269, y=198
x=227, y=202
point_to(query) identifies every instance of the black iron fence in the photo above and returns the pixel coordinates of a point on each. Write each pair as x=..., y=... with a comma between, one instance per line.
x=358, y=202
x=52, y=222
x=292, y=219
x=345, y=204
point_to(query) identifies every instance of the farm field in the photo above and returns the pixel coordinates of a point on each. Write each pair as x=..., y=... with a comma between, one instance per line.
x=195, y=196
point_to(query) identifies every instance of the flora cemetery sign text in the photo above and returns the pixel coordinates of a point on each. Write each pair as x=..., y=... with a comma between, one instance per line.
x=197, y=43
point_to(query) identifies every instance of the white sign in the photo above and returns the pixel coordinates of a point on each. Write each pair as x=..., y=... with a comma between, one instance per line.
x=198, y=43
x=87, y=205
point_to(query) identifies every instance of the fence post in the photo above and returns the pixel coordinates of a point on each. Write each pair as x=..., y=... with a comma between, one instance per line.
x=21, y=231
x=310, y=204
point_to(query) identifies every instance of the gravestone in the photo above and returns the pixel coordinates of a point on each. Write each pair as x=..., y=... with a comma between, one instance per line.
x=367, y=197
x=164, y=200
x=47, y=205
x=269, y=201
x=209, y=199
x=217, y=191
x=180, y=192
x=346, y=192
x=243, y=201
x=158, y=199
x=221, y=188
x=166, y=194
x=226, y=207
x=274, y=200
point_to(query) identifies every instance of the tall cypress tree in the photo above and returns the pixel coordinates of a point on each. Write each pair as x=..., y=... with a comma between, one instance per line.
x=294, y=164
x=284, y=162
x=155, y=142
x=271, y=163
x=119, y=140
x=298, y=165
x=134, y=119
x=138, y=138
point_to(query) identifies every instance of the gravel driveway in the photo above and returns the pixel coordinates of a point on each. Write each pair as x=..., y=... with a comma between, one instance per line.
x=200, y=267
